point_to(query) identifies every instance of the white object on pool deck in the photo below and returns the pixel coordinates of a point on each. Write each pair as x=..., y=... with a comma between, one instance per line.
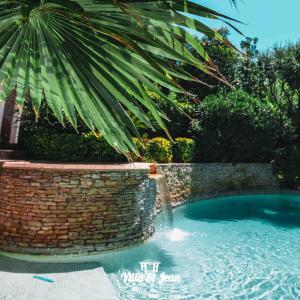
x=93, y=284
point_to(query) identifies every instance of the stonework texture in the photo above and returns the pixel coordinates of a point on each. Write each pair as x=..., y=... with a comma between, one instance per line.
x=61, y=209
x=188, y=181
x=46, y=211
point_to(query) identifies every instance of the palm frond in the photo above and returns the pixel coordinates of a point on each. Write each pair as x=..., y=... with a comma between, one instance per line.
x=95, y=59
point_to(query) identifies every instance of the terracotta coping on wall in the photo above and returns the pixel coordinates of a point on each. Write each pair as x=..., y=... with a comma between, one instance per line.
x=72, y=166
x=153, y=168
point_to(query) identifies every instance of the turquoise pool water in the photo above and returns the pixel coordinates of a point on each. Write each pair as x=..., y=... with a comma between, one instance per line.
x=240, y=247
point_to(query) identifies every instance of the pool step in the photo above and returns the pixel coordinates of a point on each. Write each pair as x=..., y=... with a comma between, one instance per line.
x=22, y=280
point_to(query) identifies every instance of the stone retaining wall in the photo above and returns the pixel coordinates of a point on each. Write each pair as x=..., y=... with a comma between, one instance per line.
x=61, y=208
x=56, y=209
x=187, y=181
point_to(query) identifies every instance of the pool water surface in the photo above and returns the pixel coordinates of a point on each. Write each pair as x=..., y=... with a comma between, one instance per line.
x=237, y=247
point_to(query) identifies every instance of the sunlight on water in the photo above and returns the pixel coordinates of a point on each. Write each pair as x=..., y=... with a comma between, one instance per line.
x=239, y=247
x=270, y=212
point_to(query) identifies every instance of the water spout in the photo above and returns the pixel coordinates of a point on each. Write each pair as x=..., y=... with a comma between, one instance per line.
x=165, y=199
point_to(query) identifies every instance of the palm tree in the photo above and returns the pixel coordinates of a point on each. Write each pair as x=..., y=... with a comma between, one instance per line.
x=95, y=60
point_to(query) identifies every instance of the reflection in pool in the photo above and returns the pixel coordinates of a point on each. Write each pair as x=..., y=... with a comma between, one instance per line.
x=239, y=247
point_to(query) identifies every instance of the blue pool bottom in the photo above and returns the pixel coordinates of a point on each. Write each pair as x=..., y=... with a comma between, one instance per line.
x=237, y=247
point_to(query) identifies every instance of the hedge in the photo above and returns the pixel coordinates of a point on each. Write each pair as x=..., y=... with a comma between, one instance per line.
x=49, y=144
x=158, y=150
x=183, y=150
x=237, y=127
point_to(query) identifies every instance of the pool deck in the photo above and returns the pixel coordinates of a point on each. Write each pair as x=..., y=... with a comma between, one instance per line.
x=17, y=281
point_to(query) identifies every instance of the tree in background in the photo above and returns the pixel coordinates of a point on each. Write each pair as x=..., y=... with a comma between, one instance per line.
x=225, y=60
x=274, y=73
x=281, y=67
x=180, y=110
x=237, y=127
x=248, y=74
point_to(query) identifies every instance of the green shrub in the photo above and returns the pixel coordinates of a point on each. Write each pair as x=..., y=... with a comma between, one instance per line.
x=287, y=166
x=141, y=149
x=237, y=127
x=53, y=145
x=48, y=144
x=158, y=150
x=98, y=150
x=183, y=150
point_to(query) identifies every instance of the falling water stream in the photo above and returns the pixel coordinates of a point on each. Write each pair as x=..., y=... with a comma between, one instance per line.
x=173, y=233
x=165, y=199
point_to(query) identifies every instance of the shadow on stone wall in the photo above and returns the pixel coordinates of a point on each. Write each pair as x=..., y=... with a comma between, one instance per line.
x=188, y=181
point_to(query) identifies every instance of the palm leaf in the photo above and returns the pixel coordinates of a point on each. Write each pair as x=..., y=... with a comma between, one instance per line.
x=96, y=59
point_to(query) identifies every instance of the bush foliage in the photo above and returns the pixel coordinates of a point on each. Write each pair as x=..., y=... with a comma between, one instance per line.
x=48, y=144
x=237, y=127
x=158, y=150
x=287, y=166
x=183, y=150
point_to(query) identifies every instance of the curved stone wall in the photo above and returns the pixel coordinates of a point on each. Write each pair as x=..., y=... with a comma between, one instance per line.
x=57, y=209
x=64, y=208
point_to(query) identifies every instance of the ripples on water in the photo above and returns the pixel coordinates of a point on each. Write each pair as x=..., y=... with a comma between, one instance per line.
x=241, y=247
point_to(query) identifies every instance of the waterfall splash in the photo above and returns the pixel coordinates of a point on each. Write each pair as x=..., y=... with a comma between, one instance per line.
x=173, y=234
x=177, y=235
x=165, y=198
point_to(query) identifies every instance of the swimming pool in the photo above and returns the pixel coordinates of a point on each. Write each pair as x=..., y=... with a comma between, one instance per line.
x=237, y=247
